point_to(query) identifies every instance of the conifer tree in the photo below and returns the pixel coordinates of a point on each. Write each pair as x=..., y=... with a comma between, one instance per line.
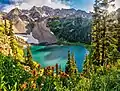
x=10, y=29
x=87, y=66
x=96, y=35
x=68, y=55
x=57, y=69
x=74, y=67
x=103, y=34
x=71, y=67
x=60, y=68
x=68, y=65
x=29, y=60
x=118, y=32
x=119, y=40
x=11, y=35
x=5, y=25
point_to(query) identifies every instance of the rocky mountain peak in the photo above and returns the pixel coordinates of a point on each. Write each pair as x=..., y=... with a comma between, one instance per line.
x=35, y=21
x=48, y=11
x=36, y=12
x=46, y=8
x=14, y=11
x=34, y=8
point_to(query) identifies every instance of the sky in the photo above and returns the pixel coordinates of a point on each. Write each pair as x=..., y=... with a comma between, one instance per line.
x=87, y=5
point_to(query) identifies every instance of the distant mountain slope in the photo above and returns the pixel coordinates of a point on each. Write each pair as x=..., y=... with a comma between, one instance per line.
x=35, y=21
x=75, y=29
x=42, y=33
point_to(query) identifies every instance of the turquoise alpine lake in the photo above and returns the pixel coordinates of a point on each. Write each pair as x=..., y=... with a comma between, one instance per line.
x=58, y=54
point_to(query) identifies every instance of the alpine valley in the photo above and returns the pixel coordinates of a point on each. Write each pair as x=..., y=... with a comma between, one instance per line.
x=47, y=25
x=46, y=49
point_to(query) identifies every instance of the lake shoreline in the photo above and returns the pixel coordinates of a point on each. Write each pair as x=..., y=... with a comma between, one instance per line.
x=86, y=45
x=58, y=54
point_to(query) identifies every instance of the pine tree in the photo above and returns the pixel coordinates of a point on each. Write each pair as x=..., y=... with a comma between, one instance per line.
x=96, y=35
x=11, y=29
x=119, y=40
x=5, y=25
x=103, y=33
x=29, y=60
x=68, y=55
x=71, y=67
x=68, y=65
x=74, y=67
x=11, y=35
x=57, y=69
x=118, y=32
x=87, y=66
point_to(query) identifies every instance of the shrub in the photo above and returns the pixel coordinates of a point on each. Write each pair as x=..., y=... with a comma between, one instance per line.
x=11, y=73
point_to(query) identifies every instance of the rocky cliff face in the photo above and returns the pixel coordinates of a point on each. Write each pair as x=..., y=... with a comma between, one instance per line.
x=42, y=33
x=35, y=21
x=118, y=14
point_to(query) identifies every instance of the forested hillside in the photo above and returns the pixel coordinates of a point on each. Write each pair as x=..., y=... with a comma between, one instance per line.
x=75, y=23
x=71, y=29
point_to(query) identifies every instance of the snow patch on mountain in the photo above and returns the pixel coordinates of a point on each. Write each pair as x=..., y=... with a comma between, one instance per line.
x=31, y=39
x=28, y=38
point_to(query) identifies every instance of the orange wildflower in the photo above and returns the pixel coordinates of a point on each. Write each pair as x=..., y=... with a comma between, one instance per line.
x=108, y=66
x=38, y=66
x=34, y=73
x=24, y=85
x=33, y=85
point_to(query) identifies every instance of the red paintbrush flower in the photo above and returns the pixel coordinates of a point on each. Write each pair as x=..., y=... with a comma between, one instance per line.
x=38, y=66
x=24, y=85
x=33, y=85
x=34, y=73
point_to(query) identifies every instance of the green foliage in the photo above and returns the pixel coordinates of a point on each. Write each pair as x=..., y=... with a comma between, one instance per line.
x=7, y=38
x=71, y=30
x=28, y=58
x=106, y=82
x=71, y=67
x=11, y=74
x=101, y=70
x=104, y=34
